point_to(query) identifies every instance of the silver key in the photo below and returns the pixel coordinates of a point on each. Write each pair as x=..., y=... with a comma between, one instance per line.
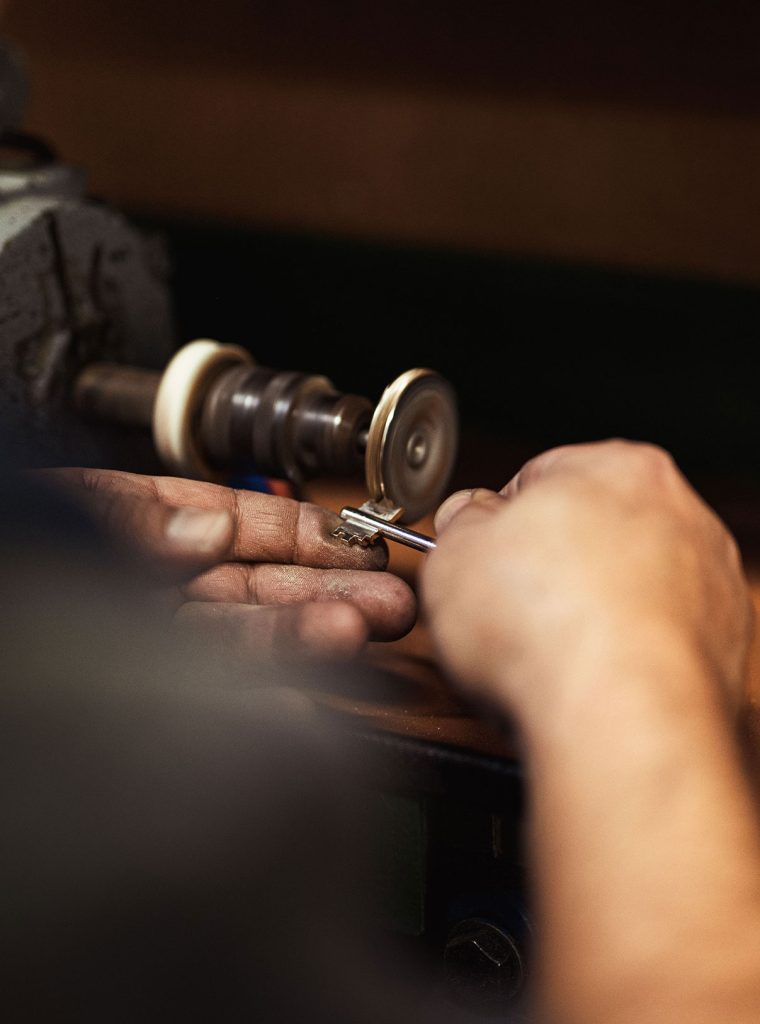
x=362, y=527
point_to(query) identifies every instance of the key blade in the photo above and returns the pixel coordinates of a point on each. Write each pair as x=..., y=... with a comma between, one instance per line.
x=364, y=528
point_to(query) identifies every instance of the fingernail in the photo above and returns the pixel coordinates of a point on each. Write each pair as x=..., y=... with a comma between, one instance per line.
x=199, y=531
x=455, y=503
x=450, y=507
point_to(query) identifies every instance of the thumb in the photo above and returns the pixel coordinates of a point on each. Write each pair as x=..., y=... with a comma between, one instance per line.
x=176, y=543
x=460, y=500
x=173, y=542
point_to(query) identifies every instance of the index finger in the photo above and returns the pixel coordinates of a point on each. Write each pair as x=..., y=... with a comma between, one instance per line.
x=563, y=458
x=266, y=528
x=616, y=461
x=269, y=528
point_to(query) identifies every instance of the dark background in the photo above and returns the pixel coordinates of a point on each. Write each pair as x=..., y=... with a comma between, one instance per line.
x=554, y=205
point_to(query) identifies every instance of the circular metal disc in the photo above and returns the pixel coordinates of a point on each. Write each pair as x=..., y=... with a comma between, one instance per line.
x=412, y=443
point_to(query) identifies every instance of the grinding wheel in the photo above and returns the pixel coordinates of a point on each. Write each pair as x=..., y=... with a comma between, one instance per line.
x=412, y=443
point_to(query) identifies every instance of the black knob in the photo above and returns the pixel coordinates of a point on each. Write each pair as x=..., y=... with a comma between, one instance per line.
x=484, y=965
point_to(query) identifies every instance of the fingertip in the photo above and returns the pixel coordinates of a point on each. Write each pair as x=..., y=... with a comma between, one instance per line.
x=379, y=556
x=334, y=629
x=320, y=546
x=392, y=612
x=373, y=557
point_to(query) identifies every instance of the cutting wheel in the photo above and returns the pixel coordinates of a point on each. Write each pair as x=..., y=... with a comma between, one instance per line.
x=412, y=443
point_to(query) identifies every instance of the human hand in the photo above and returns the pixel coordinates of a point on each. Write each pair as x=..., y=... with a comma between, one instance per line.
x=593, y=556
x=252, y=573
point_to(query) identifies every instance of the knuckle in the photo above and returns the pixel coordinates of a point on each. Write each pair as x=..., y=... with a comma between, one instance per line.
x=642, y=460
x=656, y=456
x=237, y=520
x=307, y=523
x=115, y=511
x=732, y=550
x=96, y=482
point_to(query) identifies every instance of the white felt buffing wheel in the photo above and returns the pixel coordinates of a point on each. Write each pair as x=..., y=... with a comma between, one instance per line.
x=180, y=393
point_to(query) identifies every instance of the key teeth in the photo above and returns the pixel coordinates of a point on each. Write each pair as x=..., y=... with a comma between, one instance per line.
x=349, y=537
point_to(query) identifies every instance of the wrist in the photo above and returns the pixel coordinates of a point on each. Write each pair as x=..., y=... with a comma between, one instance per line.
x=611, y=680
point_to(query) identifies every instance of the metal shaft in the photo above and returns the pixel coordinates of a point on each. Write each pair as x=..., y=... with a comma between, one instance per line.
x=283, y=423
x=124, y=394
